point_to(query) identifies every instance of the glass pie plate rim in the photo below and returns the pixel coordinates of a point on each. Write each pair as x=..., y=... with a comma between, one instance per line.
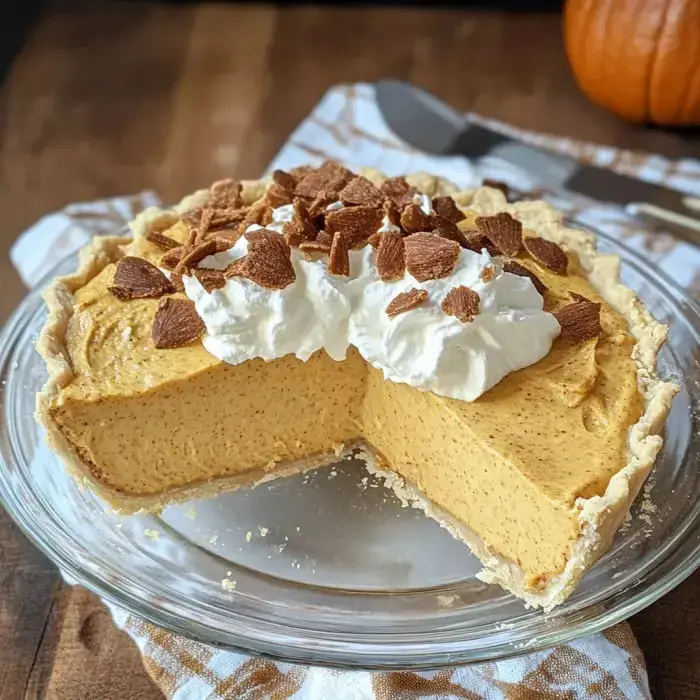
x=374, y=639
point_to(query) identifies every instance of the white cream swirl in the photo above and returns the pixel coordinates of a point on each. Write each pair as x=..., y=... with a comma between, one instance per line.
x=430, y=350
x=423, y=347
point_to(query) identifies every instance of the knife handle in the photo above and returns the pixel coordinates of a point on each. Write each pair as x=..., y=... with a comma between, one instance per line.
x=475, y=142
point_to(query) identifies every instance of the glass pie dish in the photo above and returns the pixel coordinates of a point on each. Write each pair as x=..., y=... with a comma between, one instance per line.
x=328, y=567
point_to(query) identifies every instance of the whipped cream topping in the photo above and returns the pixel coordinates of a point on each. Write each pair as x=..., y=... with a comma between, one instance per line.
x=435, y=352
x=245, y=320
x=424, y=202
x=423, y=347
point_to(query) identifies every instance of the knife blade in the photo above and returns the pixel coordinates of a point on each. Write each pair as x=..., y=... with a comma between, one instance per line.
x=432, y=126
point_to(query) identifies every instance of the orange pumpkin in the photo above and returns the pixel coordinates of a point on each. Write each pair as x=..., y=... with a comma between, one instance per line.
x=638, y=58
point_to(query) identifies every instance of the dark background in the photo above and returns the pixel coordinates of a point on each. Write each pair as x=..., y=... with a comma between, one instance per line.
x=16, y=16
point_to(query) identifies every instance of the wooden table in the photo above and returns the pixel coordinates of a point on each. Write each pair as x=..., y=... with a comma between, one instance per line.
x=109, y=98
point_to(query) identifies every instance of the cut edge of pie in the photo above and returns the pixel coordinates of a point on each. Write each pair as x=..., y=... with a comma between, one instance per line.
x=598, y=516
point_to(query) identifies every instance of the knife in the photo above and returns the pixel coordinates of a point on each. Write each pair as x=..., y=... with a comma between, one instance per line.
x=432, y=126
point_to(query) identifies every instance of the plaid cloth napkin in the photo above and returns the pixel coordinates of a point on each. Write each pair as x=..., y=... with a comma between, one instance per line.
x=346, y=125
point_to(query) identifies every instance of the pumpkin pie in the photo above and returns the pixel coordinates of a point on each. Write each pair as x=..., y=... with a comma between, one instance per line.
x=478, y=351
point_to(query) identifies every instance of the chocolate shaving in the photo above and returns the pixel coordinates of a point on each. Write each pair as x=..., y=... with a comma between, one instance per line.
x=227, y=216
x=205, y=223
x=398, y=191
x=209, y=279
x=122, y=293
x=259, y=213
x=429, y=256
x=505, y=232
x=477, y=241
x=277, y=196
x=496, y=185
x=446, y=207
x=448, y=229
x=301, y=228
x=339, y=260
x=414, y=219
x=176, y=324
x=136, y=278
x=284, y=180
x=225, y=237
x=334, y=186
x=374, y=239
x=191, y=218
x=547, y=253
x=315, y=250
x=235, y=268
x=406, y=301
x=579, y=321
x=225, y=194
x=361, y=191
x=176, y=279
x=198, y=222
x=268, y=262
x=356, y=223
x=170, y=259
x=317, y=208
x=331, y=177
x=391, y=212
x=324, y=237
x=516, y=268
x=300, y=172
x=391, y=260
x=159, y=239
x=197, y=254
x=222, y=244
x=461, y=302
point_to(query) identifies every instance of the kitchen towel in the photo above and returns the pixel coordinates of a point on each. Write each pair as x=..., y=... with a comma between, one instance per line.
x=347, y=126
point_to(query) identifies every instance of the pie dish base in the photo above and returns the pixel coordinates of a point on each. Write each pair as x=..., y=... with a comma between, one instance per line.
x=348, y=610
